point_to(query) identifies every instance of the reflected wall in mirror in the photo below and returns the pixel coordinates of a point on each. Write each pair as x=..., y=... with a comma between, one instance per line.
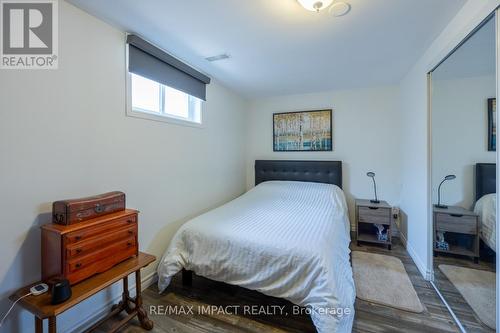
x=463, y=139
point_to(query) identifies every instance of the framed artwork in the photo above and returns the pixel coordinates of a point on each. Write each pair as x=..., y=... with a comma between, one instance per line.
x=492, y=124
x=303, y=131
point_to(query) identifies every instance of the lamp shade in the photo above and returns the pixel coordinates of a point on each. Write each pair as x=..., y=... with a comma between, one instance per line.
x=315, y=5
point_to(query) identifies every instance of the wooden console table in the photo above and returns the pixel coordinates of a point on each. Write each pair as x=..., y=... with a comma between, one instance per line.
x=41, y=308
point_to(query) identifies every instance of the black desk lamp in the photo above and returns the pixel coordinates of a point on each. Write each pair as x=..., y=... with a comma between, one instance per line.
x=372, y=176
x=449, y=177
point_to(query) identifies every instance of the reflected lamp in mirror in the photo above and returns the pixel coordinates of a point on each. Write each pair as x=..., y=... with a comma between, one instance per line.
x=439, y=205
x=372, y=176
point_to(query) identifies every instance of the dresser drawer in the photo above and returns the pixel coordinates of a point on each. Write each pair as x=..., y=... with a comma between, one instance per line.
x=108, y=251
x=100, y=265
x=84, y=234
x=464, y=224
x=374, y=215
x=97, y=242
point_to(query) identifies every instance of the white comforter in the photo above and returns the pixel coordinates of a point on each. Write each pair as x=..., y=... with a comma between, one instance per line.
x=285, y=239
x=486, y=209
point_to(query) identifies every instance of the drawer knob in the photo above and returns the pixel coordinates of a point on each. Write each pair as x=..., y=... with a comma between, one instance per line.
x=78, y=265
x=129, y=244
x=78, y=250
x=98, y=208
x=456, y=215
x=130, y=221
x=130, y=232
x=78, y=238
x=374, y=208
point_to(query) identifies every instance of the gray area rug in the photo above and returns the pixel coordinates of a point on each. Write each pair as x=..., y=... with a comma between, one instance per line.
x=383, y=279
x=477, y=288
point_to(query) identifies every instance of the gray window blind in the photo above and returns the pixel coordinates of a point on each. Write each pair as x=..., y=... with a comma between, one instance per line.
x=147, y=60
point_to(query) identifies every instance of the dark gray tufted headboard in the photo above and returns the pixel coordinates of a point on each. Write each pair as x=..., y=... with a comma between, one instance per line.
x=486, y=180
x=329, y=172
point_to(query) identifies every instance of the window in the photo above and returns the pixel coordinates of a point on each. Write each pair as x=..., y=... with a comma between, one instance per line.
x=151, y=98
x=162, y=87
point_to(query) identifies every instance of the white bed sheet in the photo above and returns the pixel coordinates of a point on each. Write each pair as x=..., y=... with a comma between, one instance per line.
x=486, y=209
x=284, y=239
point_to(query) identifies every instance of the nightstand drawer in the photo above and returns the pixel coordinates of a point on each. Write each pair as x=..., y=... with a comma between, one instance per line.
x=374, y=215
x=464, y=224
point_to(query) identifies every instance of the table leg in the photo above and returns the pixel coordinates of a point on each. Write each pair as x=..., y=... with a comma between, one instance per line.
x=38, y=325
x=52, y=325
x=146, y=323
x=126, y=296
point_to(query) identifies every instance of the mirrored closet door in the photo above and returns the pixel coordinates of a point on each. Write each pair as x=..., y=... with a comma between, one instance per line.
x=463, y=173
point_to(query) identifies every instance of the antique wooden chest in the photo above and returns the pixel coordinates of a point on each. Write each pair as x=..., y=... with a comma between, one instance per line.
x=82, y=209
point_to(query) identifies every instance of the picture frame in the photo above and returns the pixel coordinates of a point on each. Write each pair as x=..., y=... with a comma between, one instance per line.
x=301, y=131
x=492, y=124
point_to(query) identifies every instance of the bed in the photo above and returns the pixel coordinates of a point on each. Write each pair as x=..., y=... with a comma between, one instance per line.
x=485, y=205
x=288, y=237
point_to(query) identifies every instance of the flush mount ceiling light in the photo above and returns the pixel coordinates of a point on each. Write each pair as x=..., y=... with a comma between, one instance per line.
x=315, y=5
x=339, y=9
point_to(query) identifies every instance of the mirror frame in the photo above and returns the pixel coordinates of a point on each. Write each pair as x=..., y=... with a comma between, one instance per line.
x=495, y=15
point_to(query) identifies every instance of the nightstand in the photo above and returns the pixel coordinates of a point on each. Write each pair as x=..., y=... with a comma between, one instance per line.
x=367, y=215
x=461, y=231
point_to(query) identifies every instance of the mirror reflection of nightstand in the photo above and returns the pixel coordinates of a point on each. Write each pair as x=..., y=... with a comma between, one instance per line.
x=459, y=229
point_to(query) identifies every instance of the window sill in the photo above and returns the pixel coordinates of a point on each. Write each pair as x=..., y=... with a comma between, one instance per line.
x=163, y=119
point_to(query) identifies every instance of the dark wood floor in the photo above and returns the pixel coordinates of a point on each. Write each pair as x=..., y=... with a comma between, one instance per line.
x=369, y=317
x=458, y=304
x=378, y=318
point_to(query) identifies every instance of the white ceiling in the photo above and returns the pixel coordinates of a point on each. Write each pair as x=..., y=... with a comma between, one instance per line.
x=277, y=47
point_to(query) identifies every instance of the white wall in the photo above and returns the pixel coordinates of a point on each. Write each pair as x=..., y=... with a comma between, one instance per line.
x=415, y=194
x=460, y=135
x=64, y=133
x=365, y=137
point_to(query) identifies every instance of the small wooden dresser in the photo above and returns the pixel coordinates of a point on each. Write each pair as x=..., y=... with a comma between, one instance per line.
x=81, y=250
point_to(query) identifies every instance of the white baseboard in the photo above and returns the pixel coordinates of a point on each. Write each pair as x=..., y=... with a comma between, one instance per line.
x=149, y=280
x=426, y=273
x=402, y=237
x=102, y=311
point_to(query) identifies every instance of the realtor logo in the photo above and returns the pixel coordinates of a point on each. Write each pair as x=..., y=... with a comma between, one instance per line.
x=28, y=34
